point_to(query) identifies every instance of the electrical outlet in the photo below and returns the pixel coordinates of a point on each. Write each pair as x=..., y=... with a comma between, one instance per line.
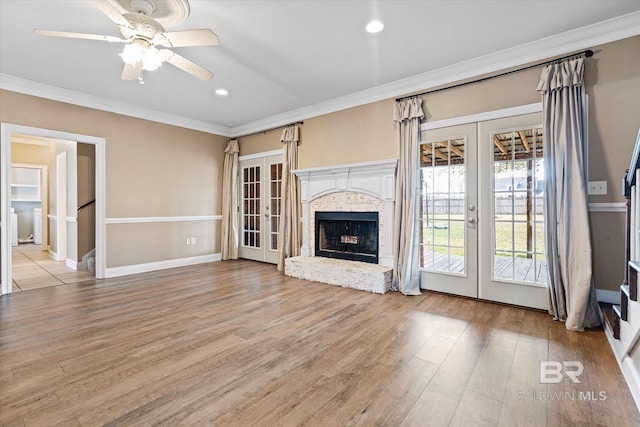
x=193, y=240
x=188, y=241
x=597, y=188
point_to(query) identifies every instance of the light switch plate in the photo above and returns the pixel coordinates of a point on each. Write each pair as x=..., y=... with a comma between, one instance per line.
x=597, y=188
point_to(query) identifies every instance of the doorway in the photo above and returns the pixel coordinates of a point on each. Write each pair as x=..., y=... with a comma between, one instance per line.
x=260, y=196
x=7, y=131
x=481, y=211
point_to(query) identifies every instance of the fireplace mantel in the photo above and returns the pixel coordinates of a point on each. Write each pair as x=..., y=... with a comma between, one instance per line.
x=375, y=179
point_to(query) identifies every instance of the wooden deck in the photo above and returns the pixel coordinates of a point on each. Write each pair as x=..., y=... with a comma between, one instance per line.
x=517, y=269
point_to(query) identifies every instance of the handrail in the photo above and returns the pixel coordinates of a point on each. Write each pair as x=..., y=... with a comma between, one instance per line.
x=635, y=164
x=86, y=204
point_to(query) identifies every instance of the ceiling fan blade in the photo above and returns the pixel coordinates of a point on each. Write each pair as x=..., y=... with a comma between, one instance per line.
x=131, y=72
x=112, y=13
x=111, y=39
x=185, y=65
x=203, y=37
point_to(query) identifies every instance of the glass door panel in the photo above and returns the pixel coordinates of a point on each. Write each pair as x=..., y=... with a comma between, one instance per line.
x=251, y=212
x=447, y=210
x=512, y=260
x=272, y=216
x=519, y=219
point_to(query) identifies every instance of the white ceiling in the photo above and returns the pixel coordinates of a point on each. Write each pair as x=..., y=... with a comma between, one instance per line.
x=280, y=60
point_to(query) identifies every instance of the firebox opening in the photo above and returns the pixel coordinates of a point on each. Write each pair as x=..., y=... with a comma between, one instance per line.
x=347, y=235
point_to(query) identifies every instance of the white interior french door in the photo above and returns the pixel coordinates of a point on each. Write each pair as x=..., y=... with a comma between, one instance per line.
x=481, y=210
x=260, y=181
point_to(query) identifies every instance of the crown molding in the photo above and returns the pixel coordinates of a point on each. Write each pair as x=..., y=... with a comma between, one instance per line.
x=611, y=30
x=41, y=90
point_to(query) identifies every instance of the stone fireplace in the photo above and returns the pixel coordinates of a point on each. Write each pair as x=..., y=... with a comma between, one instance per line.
x=366, y=189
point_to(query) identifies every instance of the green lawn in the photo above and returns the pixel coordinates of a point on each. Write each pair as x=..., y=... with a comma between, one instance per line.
x=453, y=235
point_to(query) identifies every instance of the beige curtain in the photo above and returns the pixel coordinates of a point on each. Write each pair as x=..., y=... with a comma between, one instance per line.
x=230, y=200
x=406, y=276
x=289, y=227
x=568, y=242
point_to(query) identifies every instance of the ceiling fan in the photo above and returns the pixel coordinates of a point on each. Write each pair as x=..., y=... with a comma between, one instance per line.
x=142, y=33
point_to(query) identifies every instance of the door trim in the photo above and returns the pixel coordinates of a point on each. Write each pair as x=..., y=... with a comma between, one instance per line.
x=279, y=152
x=6, y=132
x=482, y=117
x=61, y=206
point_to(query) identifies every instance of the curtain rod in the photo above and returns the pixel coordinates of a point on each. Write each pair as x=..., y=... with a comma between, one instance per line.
x=268, y=130
x=587, y=53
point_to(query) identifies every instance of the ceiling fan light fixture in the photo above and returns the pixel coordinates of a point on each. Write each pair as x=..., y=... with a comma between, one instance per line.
x=137, y=52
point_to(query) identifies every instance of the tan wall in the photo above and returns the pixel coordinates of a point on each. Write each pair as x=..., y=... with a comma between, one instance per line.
x=152, y=170
x=612, y=81
x=359, y=134
x=261, y=142
x=30, y=154
x=156, y=169
x=165, y=240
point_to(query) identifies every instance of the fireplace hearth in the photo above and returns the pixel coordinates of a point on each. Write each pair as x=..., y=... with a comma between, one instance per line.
x=347, y=235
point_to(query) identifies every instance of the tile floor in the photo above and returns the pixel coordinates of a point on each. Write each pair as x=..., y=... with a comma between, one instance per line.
x=33, y=269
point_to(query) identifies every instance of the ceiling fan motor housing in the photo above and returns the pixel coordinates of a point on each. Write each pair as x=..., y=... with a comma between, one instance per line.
x=167, y=12
x=144, y=26
x=143, y=6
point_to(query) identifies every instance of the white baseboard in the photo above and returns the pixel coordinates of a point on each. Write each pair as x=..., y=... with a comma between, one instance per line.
x=72, y=264
x=612, y=297
x=631, y=375
x=160, y=265
x=54, y=256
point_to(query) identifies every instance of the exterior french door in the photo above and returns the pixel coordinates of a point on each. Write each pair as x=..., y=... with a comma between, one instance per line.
x=481, y=207
x=448, y=209
x=260, y=181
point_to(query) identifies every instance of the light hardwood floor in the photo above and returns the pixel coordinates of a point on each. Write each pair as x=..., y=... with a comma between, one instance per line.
x=237, y=343
x=32, y=268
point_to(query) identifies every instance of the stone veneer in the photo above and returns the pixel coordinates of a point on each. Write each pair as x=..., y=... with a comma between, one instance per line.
x=346, y=201
x=348, y=274
x=357, y=187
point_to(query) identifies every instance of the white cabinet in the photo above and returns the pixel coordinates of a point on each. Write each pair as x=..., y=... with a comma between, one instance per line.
x=26, y=198
x=25, y=185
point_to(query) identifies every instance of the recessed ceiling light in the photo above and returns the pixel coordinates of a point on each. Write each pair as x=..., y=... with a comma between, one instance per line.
x=374, y=27
x=222, y=92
